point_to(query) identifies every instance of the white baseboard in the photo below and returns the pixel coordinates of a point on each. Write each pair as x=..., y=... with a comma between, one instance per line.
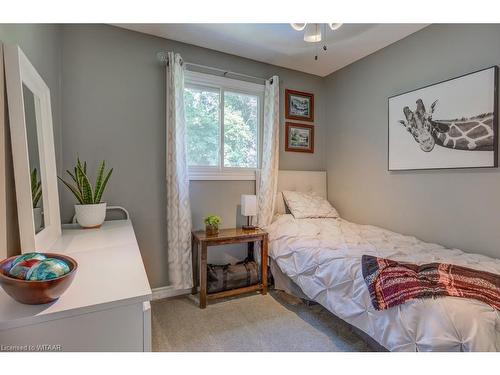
x=168, y=292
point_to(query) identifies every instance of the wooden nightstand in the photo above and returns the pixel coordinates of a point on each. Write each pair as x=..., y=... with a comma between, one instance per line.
x=200, y=243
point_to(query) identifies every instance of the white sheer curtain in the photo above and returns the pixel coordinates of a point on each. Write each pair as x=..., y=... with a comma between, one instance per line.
x=270, y=153
x=178, y=206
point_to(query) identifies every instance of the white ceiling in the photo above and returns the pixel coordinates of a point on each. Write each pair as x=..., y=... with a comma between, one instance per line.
x=281, y=45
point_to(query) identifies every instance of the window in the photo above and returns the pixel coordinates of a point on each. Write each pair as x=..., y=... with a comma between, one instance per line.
x=223, y=118
x=203, y=131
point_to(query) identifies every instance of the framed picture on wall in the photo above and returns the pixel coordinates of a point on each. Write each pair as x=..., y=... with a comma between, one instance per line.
x=299, y=137
x=299, y=105
x=450, y=124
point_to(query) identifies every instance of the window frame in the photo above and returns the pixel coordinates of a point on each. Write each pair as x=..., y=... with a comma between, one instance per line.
x=223, y=84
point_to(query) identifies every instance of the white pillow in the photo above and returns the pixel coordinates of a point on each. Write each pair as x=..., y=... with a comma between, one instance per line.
x=308, y=205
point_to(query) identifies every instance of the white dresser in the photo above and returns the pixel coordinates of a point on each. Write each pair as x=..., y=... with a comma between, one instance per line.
x=106, y=308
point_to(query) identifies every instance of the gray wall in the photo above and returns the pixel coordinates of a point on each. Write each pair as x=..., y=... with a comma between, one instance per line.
x=456, y=208
x=42, y=45
x=113, y=109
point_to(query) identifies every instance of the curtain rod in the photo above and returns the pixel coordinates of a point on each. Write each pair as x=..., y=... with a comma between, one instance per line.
x=163, y=57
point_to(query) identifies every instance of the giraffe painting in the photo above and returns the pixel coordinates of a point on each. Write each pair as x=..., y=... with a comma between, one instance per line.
x=450, y=124
x=473, y=134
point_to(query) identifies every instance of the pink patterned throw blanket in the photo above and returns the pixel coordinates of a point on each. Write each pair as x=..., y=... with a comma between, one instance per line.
x=393, y=283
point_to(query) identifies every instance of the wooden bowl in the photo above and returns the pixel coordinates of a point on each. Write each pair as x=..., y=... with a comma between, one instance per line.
x=37, y=292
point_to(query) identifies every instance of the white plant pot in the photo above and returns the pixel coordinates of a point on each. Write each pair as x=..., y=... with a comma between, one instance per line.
x=90, y=215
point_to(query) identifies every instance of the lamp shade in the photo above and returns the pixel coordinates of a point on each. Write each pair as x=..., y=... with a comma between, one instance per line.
x=313, y=33
x=248, y=205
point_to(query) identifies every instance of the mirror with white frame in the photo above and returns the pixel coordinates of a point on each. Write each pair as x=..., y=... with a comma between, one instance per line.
x=33, y=157
x=32, y=138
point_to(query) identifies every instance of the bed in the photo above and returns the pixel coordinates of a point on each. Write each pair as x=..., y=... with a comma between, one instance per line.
x=320, y=260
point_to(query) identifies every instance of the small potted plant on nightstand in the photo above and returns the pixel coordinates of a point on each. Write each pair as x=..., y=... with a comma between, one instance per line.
x=90, y=212
x=212, y=225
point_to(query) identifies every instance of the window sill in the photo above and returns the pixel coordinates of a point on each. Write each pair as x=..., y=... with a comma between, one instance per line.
x=224, y=175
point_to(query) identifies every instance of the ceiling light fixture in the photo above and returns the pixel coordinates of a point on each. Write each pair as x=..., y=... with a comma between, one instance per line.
x=334, y=26
x=315, y=32
x=298, y=26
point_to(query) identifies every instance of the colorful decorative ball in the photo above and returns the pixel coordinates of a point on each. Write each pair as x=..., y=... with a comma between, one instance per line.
x=28, y=256
x=47, y=269
x=20, y=270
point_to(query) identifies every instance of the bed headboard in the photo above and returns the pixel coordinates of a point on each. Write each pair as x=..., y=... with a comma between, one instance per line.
x=305, y=181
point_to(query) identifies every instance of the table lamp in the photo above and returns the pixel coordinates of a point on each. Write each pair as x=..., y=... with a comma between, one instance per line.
x=248, y=209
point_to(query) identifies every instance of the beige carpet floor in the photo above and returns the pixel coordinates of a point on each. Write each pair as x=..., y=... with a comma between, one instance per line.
x=275, y=322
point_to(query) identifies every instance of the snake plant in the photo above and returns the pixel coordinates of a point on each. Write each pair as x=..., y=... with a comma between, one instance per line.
x=81, y=186
x=36, y=188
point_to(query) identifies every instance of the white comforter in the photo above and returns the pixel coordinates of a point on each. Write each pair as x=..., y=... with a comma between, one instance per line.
x=323, y=257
